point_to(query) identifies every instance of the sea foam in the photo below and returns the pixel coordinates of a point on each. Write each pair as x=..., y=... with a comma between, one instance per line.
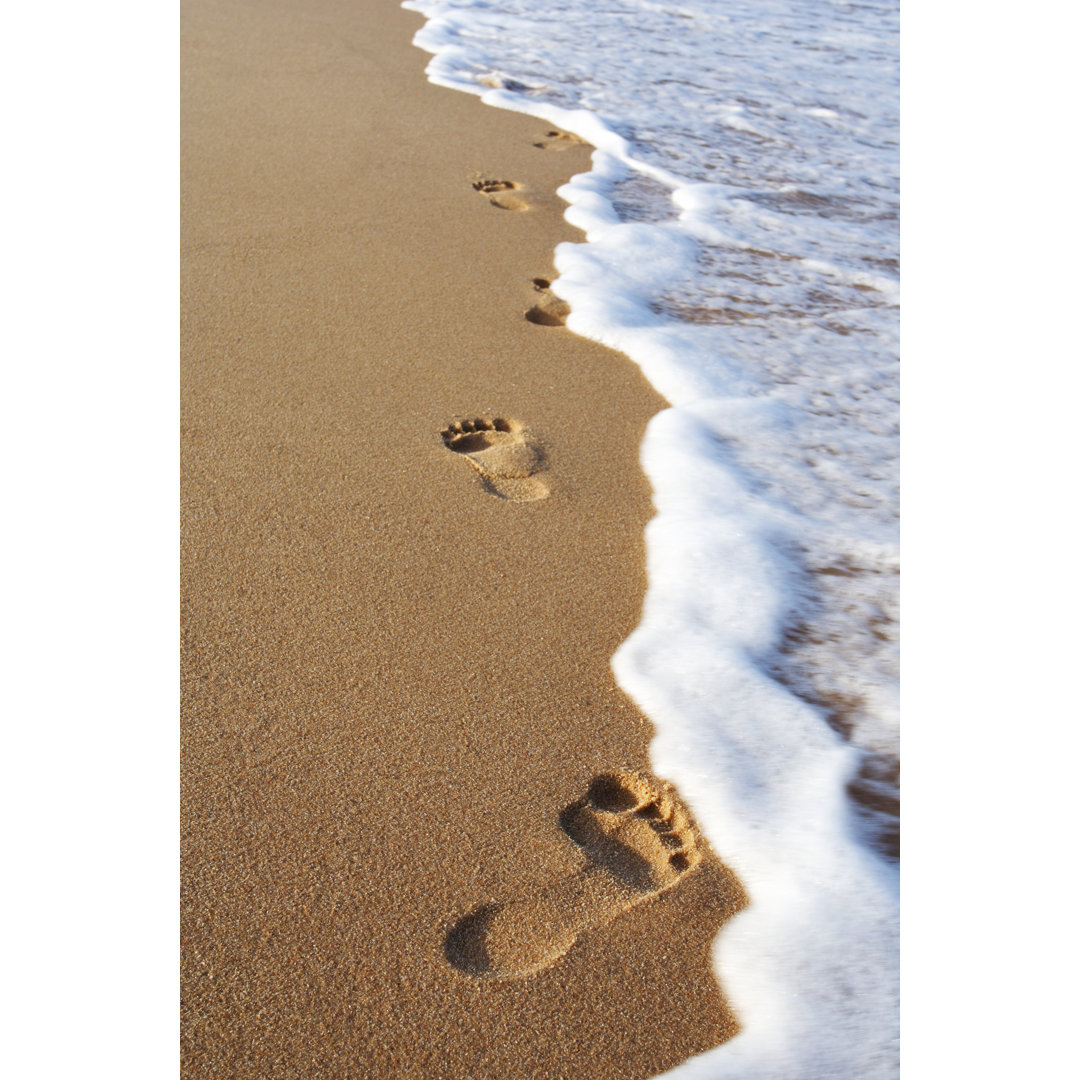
x=741, y=247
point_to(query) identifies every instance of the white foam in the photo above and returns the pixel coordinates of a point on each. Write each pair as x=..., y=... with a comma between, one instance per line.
x=740, y=247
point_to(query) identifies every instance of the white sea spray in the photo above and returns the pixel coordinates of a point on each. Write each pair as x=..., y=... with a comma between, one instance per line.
x=741, y=247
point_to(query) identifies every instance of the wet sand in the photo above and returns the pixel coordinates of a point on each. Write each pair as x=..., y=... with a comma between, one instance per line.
x=412, y=539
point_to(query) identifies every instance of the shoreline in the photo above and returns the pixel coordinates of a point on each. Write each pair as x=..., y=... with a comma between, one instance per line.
x=790, y=781
x=396, y=671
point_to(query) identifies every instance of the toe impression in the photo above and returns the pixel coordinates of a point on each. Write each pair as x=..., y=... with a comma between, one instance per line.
x=503, y=453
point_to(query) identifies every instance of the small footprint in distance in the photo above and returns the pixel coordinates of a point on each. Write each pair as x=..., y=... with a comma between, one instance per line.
x=500, y=82
x=549, y=309
x=499, y=193
x=504, y=454
x=558, y=140
x=639, y=842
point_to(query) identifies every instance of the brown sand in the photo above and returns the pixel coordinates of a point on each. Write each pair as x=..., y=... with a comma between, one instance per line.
x=395, y=679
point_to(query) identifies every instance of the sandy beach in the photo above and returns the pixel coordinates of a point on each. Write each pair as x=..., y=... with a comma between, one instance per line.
x=412, y=539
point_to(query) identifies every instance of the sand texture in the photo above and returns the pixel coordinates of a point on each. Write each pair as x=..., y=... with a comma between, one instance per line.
x=420, y=835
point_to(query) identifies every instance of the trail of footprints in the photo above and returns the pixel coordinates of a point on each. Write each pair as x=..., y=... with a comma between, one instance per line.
x=503, y=453
x=500, y=450
x=638, y=842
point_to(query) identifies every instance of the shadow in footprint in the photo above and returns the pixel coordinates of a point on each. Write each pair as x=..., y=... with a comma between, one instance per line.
x=466, y=944
x=504, y=454
x=549, y=309
x=639, y=842
x=499, y=193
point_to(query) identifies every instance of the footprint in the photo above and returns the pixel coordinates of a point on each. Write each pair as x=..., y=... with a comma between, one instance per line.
x=549, y=310
x=504, y=455
x=639, y=842
x=558, y=140
x=497, y=192
x=500, y=82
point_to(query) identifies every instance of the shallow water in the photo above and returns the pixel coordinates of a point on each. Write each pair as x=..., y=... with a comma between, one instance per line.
x=742, y=247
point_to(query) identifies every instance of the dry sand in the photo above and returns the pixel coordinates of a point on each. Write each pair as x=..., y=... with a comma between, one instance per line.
x=412, y=540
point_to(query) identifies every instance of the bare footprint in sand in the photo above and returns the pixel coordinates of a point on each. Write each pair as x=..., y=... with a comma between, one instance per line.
x=558, y=140
x=500, y=193
x=549, y=310
x=639, y=842
x=504, y=455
